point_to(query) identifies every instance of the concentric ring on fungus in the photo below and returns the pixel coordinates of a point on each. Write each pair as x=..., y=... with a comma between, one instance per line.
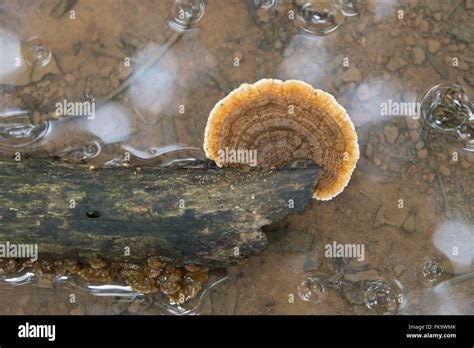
x=285, y=121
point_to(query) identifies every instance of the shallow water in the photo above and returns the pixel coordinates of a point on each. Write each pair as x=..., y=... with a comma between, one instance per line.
x=410, y=201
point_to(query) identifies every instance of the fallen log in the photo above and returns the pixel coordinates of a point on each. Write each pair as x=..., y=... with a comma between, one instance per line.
x=188, y=213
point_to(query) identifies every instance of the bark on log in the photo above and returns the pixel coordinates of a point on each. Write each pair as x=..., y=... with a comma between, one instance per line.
x=197, y=213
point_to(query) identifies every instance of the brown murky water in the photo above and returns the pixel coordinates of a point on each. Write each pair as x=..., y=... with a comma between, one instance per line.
x=410, y=201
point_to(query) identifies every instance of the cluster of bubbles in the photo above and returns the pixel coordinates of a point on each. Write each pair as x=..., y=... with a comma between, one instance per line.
x=84, y=152
x=379, y=295
x=314, y=17
x=325, y=16
x=447, y=109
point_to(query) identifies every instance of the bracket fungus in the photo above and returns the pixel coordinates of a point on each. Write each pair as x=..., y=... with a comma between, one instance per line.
x=285, y=121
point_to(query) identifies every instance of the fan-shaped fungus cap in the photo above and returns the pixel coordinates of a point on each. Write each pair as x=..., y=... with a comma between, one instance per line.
x=285, y=121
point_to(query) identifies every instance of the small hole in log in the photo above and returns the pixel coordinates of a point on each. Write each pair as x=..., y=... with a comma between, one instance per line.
x=93, y=214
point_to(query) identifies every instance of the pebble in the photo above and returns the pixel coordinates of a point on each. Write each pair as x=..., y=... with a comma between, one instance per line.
x=395, y=32
x=369, y=150
x=396, y=63
x=70, y=79
x=134, y=307
x=36, y=117
x=263, y=15
x=394, y=167
x=278, y=44
x=77, y=311
x=422, y=153
x=361, y=27
x=239, y=55
x=465, y=164
x=433, y=5
x=444, y=170
x=424, y=26
x=409, y=40
x=414, y=136
x=438, y=16
x=352, y=75
x=418, y=55
x=363, y=92
x=410, y=223
x=354, y=294
x=106, y=70
x=398, y=270
x=391, y=133
x=412, y=123
x=433, y=46
x=463, y=65
x=470, y=157
x=24, y=300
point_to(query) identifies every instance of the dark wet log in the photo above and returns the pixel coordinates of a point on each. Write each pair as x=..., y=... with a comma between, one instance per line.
x=196, y=213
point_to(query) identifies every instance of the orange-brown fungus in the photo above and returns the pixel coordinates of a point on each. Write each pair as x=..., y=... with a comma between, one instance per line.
x=285, y=121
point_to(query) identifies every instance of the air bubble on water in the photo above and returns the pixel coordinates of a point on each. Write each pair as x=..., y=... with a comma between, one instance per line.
x=381, y=298
x=186, y=14
x=154, y=152
x=36, y=53
x=81, y=153
x=179, y=161
x=265, y=4
x=92, y=150
x=311, y=289
x=17, y=130
x=445, y=108
x=466, y=134
x=431, y=270
x=319, y=18
x=351, y=7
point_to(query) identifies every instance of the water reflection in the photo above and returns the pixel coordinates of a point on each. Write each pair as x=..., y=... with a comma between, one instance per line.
x=152, y=92
x=455, y=239
x=111, y=123
x=10, y=57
